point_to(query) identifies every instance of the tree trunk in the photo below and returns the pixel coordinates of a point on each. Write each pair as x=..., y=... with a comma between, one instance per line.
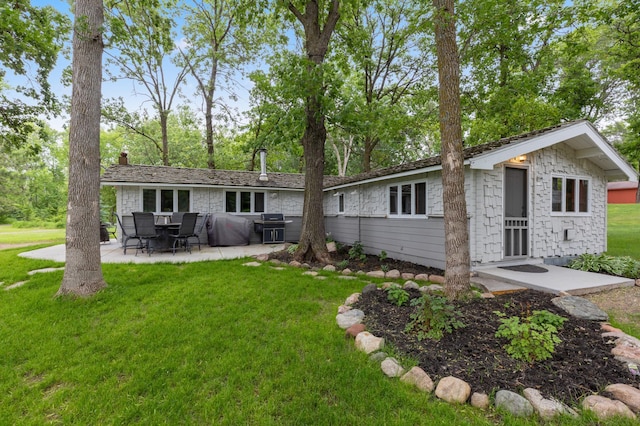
x=164, y=119
x=209, y=123
x=83, y=271
x=457, y=281
x=312, y=237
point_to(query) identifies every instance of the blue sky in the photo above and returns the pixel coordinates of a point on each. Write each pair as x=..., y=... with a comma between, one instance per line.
x=123, y=88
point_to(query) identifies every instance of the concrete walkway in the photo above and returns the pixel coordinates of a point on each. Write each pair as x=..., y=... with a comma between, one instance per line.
x=557, y=279
x=112, y=252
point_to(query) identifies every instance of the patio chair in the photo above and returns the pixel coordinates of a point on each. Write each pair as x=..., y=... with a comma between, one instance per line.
x=187, y=227
x=145, y=230
x=198, y=231
x=176, y=217
x=126, y=236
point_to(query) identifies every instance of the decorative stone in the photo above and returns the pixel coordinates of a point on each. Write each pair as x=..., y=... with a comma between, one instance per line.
x=320, y=277
x=354, y=330
x=252, y=264
x=626, y=354
x=393, y=274
x=609, y=328
x=344, y=308
x=438, y=279
x=352, y=299
x=626, y=340
x=453, y=390
x=417, y=377
x=627, y=394
x=38, y=271
x=369, y=288
x=434, y=288
x=368, y=343
x=389, y=285
x=295, y=264
x=331, y=247
x=349, y=318
x=605, y=407
x=375, y=274
x=391, y=367
x=424, y=289
x=346, y=271
x=487, y=295
x=277, y=268
x=546, y=408
x=421, y=277
x=410, y=285
x=480, y=400
x=306, y=265
x=346, y=277
x=329, y=268
x=579, y=307
x=15, y=285
x=275, y=261
x=312, y=273
x=638, y=282
x=262, y=257
x=407, y=276
x=513, y=403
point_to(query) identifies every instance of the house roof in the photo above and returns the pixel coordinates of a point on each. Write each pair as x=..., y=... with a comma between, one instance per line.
x=615, y=186
x=135, y=174
x=579, y=135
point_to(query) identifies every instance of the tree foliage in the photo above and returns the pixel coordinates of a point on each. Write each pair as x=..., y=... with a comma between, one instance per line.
x=31, y=39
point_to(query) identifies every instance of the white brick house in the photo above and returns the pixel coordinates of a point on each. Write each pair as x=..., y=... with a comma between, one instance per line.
x=540, y=195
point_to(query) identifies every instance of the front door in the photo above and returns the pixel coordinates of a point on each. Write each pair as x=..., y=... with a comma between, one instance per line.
x=516, y=213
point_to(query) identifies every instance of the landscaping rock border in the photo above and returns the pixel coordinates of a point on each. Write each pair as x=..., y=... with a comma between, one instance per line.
x=625, y=399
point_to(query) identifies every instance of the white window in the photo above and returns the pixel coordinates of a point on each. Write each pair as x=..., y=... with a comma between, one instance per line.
x=570, y=195
x=341, y=202
x=244, y=202
x=408, y=199
x=159, y=200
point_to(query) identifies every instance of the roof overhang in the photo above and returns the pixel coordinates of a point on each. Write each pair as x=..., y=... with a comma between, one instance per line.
x=582, y=137
x=197, y=185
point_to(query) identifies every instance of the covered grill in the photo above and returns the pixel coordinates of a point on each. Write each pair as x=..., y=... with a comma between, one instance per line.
x=270, y=226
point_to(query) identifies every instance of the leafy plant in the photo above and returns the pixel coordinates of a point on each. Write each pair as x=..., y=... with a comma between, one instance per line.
x=356, y=252
x=397, y=295
x=382, y=256
x=433, y=317
x=622, y=266
x=292, y=248
x=533, y=338
x=342, y=264
x=384, y=268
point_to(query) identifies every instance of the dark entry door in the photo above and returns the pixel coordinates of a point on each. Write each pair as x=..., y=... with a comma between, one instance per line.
x=516, y=213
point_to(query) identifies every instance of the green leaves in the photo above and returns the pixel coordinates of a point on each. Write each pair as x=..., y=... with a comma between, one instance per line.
x=533, y=338
x=624, y=266
x=433, y=317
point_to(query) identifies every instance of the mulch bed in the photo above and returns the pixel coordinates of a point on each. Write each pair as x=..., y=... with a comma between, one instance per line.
x=581, y=365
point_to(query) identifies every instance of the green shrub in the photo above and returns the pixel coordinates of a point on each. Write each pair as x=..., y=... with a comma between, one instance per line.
x=343, y=264
x=356, y=252
x=433, y=317
x=620, y=266
x=397, y=295
x=532, y=339
x=292, y=248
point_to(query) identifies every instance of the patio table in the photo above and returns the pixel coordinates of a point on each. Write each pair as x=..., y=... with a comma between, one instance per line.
x=163, y=242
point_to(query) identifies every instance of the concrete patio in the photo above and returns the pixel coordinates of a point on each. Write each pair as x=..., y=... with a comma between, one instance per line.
x=112, y=252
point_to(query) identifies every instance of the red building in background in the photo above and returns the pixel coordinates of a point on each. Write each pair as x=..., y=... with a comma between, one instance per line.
x=622, y=192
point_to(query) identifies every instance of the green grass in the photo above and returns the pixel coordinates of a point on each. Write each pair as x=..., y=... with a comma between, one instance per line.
x=200, y=343
x=624, y=230
x=13, y=235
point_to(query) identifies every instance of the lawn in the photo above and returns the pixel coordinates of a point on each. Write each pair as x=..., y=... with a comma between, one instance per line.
x=624, y=230
x=200, y=343
x=12, y=235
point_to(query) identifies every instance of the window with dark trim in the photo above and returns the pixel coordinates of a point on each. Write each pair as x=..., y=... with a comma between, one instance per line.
x=341, y=203
x=244, y=202
x=408, y=199
x=165, y=200
x=570, y=195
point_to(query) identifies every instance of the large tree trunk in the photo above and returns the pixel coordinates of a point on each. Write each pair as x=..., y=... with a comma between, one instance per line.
x=457, y=281
x=312, y=236
x=164, y=128
x=83, y=271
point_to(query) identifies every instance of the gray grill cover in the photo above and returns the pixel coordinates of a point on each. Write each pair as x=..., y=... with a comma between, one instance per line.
x=227, y=230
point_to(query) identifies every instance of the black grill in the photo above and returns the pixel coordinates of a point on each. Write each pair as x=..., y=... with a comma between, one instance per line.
x=270, y=227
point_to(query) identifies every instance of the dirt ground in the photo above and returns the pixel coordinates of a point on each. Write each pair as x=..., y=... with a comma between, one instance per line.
x=622, y=303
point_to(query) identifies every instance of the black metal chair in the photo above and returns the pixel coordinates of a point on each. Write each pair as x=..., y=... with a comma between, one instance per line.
x=145, y=230
x=198, y=231
x=187, y=227
x=176, y=217
x=126, y=236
